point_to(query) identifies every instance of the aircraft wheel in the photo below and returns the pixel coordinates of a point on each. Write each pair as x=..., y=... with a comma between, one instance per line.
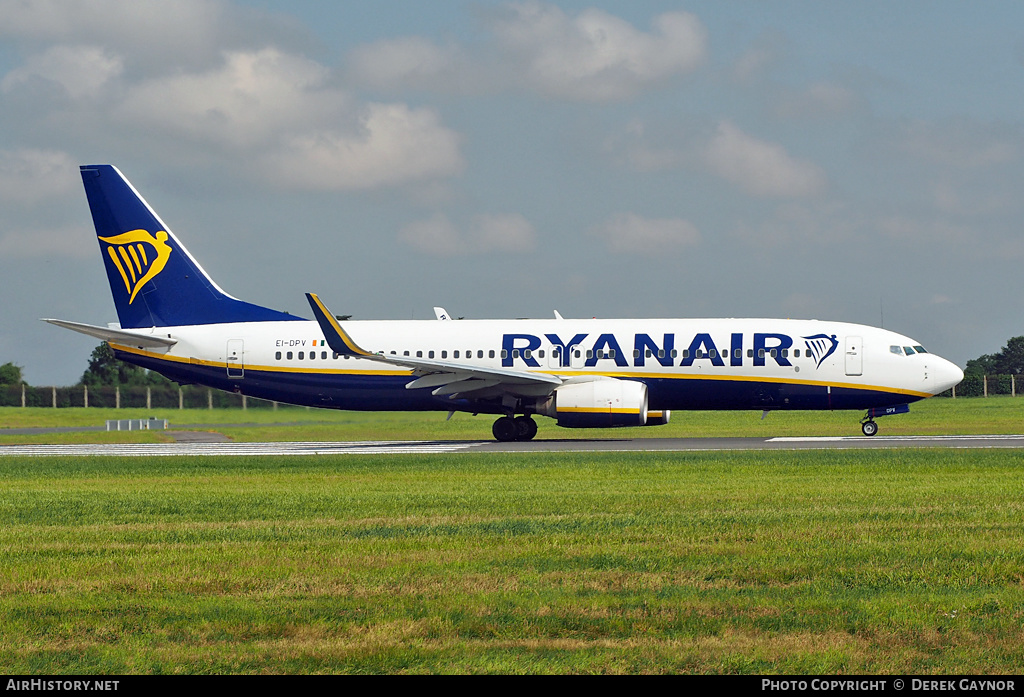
x=526, y=428
x=869, y=428
x=505, y=429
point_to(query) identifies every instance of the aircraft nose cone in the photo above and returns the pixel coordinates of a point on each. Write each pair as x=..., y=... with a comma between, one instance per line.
x=944, y=375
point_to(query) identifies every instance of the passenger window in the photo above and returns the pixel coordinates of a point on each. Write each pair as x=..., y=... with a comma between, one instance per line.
x=302, y=354
x=661, y=353
x=323, y=355
x=760, y=353
x=289, y=355
x=455, y=354
x=750, y=353
x=490, y=354
x=277, y=356
x=504, y=354
x=430, y=354
x=527, y=353
x=419, y=354
x=480, y=354
x=540, y=354
x=444, y=354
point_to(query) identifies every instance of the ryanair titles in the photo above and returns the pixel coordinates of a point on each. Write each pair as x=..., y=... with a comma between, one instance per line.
x=755, y=349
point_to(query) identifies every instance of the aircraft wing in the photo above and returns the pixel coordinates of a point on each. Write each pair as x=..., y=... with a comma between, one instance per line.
x=118, y=336
x=445, y=377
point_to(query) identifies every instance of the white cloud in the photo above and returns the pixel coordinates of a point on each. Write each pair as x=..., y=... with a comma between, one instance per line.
x=592, y=56
x=80, y=70
x=154, y=34
x=392, y=145
x=244, y=101
x=280, y=115
x=596, y=56
x=509, y=233
x=29, y=176
x=406, y=62
x=759, y=167
x=628, y=233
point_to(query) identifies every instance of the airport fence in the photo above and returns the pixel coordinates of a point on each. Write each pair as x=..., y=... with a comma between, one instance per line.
x=986, y=386
x=125, y=397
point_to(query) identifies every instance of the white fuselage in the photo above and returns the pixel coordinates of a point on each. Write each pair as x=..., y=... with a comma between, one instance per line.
x=686, y=363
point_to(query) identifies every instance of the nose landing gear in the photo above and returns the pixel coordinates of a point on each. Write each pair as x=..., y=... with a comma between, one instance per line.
x=868, y=426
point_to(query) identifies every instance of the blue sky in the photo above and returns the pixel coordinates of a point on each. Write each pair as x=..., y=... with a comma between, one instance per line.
x=848, y=161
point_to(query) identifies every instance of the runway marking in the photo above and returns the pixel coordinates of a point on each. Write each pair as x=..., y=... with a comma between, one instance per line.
x=876, y=439
x=226, y=449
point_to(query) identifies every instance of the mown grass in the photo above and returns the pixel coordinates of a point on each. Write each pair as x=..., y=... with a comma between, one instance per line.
x=751, y=562
x=1001, y=414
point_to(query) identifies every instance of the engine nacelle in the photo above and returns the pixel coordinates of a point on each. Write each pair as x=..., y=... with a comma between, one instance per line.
x=598, y=404
x=658, y=418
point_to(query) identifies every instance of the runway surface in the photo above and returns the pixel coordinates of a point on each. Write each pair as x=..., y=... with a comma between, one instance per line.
x=537, y=446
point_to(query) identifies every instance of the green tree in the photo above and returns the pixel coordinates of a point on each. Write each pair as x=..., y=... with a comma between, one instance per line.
x=1010, y=360
x=105, y=369
x=10, y=374
x=982, y=365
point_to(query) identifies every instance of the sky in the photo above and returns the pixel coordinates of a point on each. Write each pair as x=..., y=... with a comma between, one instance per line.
x=861, y=162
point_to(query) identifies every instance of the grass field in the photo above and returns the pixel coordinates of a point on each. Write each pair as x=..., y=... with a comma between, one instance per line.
x=933, y=416
x=869, y=562
x=755, y=562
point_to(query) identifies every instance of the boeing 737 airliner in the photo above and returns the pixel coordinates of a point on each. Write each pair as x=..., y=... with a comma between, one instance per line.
x=583, y=373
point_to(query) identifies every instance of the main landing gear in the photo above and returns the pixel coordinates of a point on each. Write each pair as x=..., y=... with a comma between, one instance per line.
x=519, y=428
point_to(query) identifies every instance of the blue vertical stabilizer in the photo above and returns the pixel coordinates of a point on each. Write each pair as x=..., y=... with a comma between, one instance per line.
x=154, y=280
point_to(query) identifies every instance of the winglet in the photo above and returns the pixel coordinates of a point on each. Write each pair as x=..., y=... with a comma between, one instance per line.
x=337, y=338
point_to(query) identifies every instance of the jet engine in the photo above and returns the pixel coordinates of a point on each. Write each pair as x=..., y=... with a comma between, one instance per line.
x=598, y=404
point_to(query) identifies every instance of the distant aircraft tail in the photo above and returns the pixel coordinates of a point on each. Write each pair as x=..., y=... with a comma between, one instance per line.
x=154, y=280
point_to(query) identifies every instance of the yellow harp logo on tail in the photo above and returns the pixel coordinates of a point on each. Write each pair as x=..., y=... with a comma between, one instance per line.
x=138, y=256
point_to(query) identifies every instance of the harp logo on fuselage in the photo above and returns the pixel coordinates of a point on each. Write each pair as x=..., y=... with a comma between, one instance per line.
x=138, y=256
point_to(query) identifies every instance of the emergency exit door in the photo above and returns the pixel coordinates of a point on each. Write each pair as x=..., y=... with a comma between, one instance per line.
x=854, y=355
x=235, y=362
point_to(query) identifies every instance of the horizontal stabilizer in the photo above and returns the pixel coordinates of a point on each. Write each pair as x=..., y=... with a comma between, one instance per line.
x=117, y=336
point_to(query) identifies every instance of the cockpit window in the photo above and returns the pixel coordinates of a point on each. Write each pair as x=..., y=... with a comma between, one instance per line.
x=909, y=351
x=896, y=350
x=920, y=349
